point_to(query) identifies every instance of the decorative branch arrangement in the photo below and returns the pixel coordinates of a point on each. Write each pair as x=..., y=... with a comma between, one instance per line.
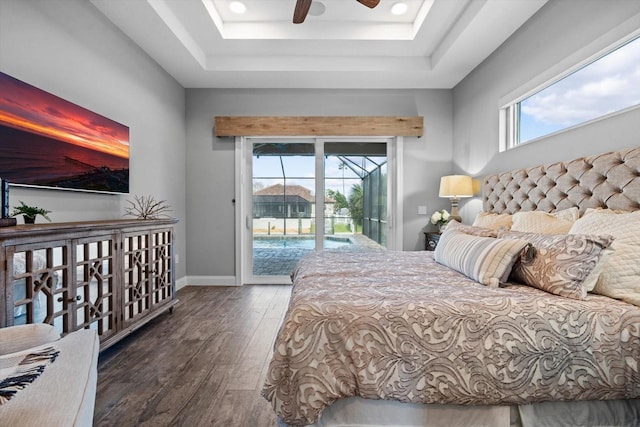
x=146, y=207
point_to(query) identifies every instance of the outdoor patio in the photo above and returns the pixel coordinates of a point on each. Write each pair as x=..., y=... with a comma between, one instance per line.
x=282, y=261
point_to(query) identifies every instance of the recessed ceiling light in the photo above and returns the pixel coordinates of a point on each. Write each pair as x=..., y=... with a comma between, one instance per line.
x=317, y=8
x=399, y=9
x=237, y=7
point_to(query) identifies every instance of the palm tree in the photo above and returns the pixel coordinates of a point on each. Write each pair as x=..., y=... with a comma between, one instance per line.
x=342, y=166
x=339, y=198
x=356, y=204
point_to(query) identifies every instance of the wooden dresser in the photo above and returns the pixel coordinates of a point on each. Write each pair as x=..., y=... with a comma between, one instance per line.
x=112, y=276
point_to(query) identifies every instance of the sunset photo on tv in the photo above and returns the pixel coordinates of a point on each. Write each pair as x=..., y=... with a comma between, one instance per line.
x=50, y=142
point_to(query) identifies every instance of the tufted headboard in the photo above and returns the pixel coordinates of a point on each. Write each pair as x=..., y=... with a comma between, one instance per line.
x=610, y=180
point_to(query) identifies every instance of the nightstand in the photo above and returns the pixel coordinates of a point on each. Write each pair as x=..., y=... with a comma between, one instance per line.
x=431, y=240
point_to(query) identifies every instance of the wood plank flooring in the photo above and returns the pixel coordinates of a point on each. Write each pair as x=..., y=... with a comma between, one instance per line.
x=203, y=364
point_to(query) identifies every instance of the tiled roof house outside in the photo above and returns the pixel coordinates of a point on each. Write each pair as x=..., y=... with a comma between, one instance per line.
x=291, y=201
x=290, y=209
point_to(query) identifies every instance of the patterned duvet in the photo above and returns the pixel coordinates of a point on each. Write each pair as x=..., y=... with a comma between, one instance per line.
x=398, y=325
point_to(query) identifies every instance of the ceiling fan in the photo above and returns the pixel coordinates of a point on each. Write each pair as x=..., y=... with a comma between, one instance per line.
x=302, y=8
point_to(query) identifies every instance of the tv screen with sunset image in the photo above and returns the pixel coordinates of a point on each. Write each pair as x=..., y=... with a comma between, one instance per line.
x=49, y=142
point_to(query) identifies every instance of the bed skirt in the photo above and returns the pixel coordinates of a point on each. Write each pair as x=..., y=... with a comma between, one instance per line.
x=356, y=411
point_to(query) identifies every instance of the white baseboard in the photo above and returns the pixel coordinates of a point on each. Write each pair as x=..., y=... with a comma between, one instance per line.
x=181, y=283
x=206, y=281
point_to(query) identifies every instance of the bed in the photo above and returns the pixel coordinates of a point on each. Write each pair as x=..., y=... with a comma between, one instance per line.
x=531, y=316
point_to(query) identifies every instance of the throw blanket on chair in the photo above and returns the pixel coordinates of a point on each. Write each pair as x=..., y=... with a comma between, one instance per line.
x=17, y=372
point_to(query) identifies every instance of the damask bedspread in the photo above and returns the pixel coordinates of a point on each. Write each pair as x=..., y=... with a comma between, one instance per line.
x=398, y=325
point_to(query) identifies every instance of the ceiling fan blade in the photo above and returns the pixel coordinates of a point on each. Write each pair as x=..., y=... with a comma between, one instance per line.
x=369, y=3
x=301, y=10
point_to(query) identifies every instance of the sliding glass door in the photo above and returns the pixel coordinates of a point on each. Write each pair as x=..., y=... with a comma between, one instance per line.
x=305, y=195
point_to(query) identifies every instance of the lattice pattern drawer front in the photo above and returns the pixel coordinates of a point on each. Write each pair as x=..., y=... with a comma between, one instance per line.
x=137, y=275
x=148, y=271
x=96, y=305
x=162, y=242
x=41, y=285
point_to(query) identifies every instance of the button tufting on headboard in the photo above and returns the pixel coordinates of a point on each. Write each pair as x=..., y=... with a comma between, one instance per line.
x=609, y=180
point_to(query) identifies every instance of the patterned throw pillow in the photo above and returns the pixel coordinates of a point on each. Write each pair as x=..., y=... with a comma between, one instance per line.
x=571, y=214
x=483, y=259
x=620, y=277
x=471, y=229
x=561, y=264
x=493, y=221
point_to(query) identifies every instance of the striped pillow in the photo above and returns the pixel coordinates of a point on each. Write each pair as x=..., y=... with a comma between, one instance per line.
x=483, y=259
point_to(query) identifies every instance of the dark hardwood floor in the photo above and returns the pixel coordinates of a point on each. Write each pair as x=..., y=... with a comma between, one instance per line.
x=201, y=365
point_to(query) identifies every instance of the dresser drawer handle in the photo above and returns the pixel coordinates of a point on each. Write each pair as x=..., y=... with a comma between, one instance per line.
x=77, y=298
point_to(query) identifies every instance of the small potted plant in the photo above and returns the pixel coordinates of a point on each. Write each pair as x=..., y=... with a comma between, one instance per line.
x=29, y=213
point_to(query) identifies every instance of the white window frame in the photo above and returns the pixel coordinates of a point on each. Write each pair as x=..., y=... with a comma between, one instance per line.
x=509, y=104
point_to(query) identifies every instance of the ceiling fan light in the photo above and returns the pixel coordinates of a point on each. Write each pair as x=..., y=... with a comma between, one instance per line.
x=317, y=8
x=237, y=7
x=399, y=8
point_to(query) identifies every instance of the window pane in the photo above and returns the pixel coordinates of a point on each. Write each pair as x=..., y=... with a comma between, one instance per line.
x=607, y=85
x=283, y=206
x=352, y=174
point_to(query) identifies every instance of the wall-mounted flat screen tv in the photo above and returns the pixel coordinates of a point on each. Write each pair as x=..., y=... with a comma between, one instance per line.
x=46, y=141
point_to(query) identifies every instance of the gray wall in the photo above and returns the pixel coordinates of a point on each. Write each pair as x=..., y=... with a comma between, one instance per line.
x=210, y=174
x=562, y=31
x=68, y=48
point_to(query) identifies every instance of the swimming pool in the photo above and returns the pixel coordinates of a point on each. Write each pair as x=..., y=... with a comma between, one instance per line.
x=298, y=242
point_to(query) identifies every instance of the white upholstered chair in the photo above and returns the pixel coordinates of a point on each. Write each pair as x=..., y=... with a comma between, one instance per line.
x=64, y=393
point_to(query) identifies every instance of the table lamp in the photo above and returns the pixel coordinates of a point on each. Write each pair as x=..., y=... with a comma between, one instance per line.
x=455, y=187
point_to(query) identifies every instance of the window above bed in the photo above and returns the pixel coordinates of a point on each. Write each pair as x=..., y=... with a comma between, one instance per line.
x=603, y=85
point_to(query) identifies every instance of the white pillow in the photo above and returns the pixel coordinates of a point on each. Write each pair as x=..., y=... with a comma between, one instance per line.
x=492, y=221
x=559, y=222
x=620, y=276
x=571, y=214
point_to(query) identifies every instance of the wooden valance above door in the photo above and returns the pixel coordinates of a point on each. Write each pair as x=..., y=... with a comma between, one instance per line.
x=318, y=126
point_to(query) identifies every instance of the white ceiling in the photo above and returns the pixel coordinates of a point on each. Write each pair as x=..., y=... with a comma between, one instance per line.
x=204, y=45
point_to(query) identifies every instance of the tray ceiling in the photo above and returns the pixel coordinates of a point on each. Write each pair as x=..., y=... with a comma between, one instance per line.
x=341, y=44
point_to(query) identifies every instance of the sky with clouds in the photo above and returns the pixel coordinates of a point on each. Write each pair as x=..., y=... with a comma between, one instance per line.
x=609, y=84
x=29, y=109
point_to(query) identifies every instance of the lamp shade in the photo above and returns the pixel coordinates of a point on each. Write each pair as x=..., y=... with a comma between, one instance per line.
x=456, y=186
